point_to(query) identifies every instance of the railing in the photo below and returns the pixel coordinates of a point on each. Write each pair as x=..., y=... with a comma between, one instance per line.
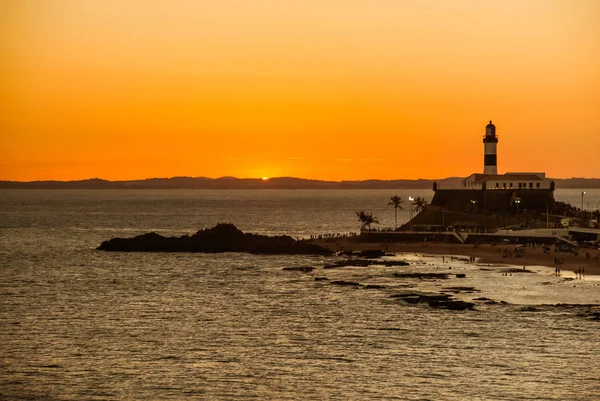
x=473, y=187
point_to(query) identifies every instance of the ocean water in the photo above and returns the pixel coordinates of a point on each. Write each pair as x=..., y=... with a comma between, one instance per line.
x=80, y=324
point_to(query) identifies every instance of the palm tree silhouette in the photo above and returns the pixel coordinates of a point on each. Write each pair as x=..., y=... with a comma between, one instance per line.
x=366, y=219
x=396, y=201
x=419, y=204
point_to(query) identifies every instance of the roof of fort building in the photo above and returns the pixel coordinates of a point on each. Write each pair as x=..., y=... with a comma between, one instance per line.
x=506, y=177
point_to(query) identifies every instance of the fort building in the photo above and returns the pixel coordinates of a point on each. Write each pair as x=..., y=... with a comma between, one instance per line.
x=495, y=192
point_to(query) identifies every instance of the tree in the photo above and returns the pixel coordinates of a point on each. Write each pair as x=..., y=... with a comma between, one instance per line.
x=396, y=201
x=419, y=204
x=366, y=219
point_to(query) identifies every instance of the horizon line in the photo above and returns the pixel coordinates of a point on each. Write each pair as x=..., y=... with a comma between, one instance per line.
x=265, y=179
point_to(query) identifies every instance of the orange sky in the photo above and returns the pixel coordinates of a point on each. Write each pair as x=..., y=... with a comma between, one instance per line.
x=336, y=89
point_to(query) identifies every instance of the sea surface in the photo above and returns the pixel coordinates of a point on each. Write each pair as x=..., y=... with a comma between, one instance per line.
x=81, y=324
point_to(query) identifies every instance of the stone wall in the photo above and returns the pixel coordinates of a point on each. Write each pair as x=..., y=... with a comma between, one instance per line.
x=493, y=200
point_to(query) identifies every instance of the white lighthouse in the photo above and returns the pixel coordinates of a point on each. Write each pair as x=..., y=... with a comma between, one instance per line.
x=490, y=145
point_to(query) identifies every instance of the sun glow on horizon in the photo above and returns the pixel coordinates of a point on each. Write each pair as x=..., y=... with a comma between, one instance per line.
x=265, y=178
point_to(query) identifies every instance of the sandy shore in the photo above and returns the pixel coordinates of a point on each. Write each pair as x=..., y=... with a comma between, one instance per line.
x=484, y=253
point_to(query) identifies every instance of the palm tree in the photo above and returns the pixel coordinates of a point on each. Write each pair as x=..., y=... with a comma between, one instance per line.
x=396, y=201
x=419, y=204
x=366, y=219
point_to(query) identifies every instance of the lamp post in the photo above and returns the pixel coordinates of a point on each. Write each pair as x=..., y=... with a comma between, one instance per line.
x=517, y=201
x=411, y=199
x=474, y=202
x=582, y=193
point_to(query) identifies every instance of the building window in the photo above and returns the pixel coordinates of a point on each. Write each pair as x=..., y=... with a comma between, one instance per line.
x=511, y=184
x=531, y=185
x=537, y=184
x=497, y=185
x=504, y=185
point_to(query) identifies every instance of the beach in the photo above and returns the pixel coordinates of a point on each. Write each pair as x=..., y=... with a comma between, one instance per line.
x=588, y=259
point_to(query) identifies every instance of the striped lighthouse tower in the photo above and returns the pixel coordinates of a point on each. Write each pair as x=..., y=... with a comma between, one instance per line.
x=490, y=143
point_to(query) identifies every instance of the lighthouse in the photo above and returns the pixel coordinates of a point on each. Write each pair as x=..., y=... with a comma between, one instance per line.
x=490, y=144
x=495, y=192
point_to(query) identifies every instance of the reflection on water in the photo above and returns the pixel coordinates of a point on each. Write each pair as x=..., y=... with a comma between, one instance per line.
x=76, y=323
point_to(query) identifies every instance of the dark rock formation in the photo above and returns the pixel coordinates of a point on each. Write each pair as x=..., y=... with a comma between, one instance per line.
x=390, y=263
x=348, y=262
x=442, y=301
x=515, y=270
x=594, y=315
x=371, y=253
x=346, y=283
x=220, y=238
x=303, y=269
x=423, y=276
x=415, y=298
x=530, y=308
x=458, y=290
x=365, y=263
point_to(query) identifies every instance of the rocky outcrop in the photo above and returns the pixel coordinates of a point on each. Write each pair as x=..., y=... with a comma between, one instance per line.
x=220, y=238
x=346, y=283
x=365, y=263
x=423, y=276
x=371, y=253
x=302, y=269
x=442, y=301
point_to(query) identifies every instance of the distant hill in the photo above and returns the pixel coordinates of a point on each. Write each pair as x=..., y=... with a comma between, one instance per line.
x=257, y=183
x=577, y=183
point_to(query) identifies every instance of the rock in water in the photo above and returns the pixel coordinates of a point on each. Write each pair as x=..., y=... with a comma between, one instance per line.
x=371, y=253
x=220, y=238
x=303, y=269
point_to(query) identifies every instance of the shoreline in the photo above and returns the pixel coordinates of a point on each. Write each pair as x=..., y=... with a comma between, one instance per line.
x=491, y=254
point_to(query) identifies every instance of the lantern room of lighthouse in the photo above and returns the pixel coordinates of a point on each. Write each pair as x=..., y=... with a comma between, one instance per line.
x=490, y=145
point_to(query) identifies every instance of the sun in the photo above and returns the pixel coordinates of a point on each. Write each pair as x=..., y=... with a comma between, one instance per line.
x=265, y=178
